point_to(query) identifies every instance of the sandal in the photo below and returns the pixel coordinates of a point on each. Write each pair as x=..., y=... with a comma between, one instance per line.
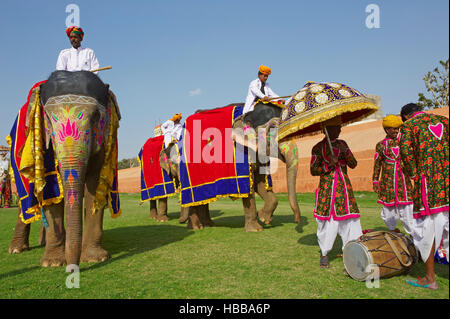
x=324, y=262
x=413, y=282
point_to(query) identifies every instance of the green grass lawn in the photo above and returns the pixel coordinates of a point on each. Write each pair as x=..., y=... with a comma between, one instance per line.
x=150, y=259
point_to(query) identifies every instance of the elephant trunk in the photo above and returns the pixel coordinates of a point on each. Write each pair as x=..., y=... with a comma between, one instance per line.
x=73, y=181
x=290, y=153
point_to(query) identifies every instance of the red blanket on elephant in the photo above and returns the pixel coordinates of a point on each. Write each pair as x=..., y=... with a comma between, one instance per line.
x=211, y=164
x=155, y=182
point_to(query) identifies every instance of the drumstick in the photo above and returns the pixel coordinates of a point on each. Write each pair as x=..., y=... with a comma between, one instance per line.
x=101, y=69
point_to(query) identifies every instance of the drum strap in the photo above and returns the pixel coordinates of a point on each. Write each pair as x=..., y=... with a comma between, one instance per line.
x=395, y=250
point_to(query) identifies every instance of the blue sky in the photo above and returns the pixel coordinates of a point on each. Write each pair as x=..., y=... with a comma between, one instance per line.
x=178, y=56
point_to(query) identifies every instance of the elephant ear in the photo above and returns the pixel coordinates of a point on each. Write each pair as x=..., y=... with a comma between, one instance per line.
x=116, y=105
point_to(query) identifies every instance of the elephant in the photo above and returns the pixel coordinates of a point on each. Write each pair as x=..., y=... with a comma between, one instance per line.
x=199, y=215
x=264, y=120
x=81, y=119
x=173, y=170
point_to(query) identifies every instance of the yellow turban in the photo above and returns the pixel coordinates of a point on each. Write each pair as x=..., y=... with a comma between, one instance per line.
x=176, y=117
x=392, y=121
x=265, y=70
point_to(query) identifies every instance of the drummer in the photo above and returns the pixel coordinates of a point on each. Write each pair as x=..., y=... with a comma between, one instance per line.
x=336, y=211
x=424, y=150
x=393, y=186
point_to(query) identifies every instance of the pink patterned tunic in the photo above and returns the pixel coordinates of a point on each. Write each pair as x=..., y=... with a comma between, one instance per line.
x=424, y=151
x=335, y=193
x=394, y=186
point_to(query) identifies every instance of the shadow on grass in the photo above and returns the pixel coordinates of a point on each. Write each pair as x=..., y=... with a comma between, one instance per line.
x=129, y=241
x=18, y=272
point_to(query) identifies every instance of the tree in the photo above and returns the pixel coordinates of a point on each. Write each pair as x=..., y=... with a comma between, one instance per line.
x=436, y=83
x=128, y=162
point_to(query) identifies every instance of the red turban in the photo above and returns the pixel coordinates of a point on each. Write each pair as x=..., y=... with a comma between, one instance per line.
x=76, y=30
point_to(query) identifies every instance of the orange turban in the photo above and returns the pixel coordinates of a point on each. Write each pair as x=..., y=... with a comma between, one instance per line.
x=76, y=30
x=265, y=70
x=176, y=117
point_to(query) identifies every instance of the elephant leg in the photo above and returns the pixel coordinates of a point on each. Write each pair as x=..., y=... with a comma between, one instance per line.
x=270, y=200
x=19, y=242
x=204, y=216
x=184, y=215
x=194, y=220
x=91, y=248
x=55, y=237
x=251, y=222
x=162, y=210
x=42, y=235
x=153, y=210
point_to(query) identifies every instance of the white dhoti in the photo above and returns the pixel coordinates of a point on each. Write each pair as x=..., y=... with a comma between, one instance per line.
x=391, y=215
x=327, y=230
x=429, y=229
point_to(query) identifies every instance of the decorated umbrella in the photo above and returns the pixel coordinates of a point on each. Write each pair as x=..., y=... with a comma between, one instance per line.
x=316, y=103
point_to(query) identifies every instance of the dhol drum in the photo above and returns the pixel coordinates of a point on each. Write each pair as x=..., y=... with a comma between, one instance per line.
x=387, y=252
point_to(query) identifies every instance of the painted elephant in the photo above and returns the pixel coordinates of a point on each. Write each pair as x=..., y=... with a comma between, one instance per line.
x=264, y=120
x=81, y=120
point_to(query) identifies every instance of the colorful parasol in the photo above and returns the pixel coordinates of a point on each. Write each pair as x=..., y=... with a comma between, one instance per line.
x=316, y=103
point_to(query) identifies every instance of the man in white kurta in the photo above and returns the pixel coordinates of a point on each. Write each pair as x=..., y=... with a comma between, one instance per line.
x=172, y=129
x=259, y=89
x=76, y=58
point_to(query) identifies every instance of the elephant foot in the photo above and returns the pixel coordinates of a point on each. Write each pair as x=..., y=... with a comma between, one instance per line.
x=49, y=260
x=18, y=247
x=253, y=226
x=162, y=218
x=184, y=215
x=194, y=226
x=94, y=254
x=264, y=218
x=209, y=223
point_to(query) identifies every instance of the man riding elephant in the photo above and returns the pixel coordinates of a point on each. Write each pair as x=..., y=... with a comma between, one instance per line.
x=68, y=129
x=76, y=58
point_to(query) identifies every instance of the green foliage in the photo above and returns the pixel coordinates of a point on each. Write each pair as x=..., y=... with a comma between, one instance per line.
x=436, y=83
x=150, y=259
x=128, y=162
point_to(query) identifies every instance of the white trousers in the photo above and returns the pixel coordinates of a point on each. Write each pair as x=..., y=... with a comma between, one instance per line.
x=429, y=229
x=327, y=230
x=391, y=215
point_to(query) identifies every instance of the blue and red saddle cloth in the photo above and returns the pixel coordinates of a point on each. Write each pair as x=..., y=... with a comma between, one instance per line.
x=155, y=182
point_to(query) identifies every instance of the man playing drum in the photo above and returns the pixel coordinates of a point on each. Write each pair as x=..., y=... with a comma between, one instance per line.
x=393, y=186
x=424, y=151
x=77, y=58
x=335, y=208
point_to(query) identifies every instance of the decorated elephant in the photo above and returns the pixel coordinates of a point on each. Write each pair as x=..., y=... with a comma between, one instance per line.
x=264, y=121
x=199, y=214
x=68, y=129
x=157, y=184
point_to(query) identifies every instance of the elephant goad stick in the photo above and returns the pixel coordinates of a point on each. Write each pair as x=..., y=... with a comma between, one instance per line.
x=279, y=97
x=101, y=69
